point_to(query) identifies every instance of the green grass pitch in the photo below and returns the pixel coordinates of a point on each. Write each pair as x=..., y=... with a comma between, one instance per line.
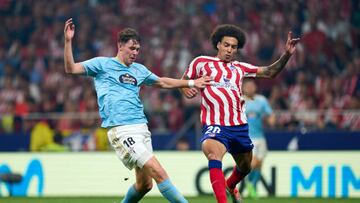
x=200, y=199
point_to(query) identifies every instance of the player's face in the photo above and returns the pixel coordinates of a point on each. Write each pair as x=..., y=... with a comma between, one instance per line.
x=249, y=88
x=129, y=51
x=227, y=48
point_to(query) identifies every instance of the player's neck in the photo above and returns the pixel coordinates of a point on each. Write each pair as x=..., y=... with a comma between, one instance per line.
x=223, y=60
x=119, y=59
x=251, y=97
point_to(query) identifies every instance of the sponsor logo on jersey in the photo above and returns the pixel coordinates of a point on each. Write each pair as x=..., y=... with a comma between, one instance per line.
x=226, y=79
x=128, y=79
x=225, y=84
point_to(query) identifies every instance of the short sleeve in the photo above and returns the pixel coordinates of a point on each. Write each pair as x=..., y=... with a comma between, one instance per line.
x=151, y=79
x=93, y=66
x=147, y=77
x=192, y=72
x=248, y=69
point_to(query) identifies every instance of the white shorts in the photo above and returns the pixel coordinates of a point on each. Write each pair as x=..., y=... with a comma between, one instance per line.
x=260, y=148
x=132, y=144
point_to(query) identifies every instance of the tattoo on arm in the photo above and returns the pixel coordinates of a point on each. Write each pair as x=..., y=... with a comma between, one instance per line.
x=275, y=68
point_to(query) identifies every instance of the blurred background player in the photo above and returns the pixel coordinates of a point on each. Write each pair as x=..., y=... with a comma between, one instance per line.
x=257, y=110
x=225, y=128
x=117, y=83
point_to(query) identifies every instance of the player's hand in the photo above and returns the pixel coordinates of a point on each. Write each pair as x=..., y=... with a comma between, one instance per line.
x=203, y=82
x=69, y=30
x=290, y=45
x=189, y=92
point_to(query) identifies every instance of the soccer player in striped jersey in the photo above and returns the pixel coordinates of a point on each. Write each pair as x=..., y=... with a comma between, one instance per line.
x=257, y=111
x=117, y=82
x=225, y=127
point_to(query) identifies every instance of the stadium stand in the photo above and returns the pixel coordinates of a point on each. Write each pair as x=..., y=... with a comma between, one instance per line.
x=319, y=90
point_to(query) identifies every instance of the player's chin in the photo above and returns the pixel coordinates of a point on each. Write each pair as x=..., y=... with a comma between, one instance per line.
x=132, y=60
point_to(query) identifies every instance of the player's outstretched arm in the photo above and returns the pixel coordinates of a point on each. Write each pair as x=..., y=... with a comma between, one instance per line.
x=272, y=70
x=187, y=91
x=70, y=65
x=165, y=82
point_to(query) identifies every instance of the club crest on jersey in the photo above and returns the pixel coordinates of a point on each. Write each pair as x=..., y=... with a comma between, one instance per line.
x=226, y=79
x=128, y=79
x=232, y=67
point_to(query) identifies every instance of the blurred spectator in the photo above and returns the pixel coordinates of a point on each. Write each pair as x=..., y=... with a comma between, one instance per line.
x=42, y=139
x=101, y=139
x=182, y=144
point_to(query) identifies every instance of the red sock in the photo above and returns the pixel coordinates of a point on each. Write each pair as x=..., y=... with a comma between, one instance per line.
x=234, y=178
x=218, y=184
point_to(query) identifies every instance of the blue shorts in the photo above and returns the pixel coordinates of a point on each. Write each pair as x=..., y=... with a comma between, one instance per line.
x=235, y=138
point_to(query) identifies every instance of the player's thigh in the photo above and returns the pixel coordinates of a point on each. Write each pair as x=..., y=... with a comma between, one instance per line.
x=243, y=160
x=213, y=149
x=132, y=144
x=260, y=149
x=214, y=142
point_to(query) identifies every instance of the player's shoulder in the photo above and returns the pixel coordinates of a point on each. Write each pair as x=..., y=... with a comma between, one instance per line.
x=260, y=98
x=102, y=58
x=200, y=59
x=140, y=67
x=243, y=64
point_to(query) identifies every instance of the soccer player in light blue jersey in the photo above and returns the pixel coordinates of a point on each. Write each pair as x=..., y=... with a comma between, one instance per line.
x=257, y=110
x=117, y=82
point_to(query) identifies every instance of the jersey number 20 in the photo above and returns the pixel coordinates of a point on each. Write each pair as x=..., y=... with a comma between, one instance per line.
x=212, y=129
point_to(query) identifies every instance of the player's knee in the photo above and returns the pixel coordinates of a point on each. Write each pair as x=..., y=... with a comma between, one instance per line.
x=213, y=156
x=157, y=172
x=245, y=167
x=247, y=170
x=145, y=187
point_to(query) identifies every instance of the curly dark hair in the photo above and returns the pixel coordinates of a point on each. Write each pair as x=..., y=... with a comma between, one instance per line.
x=128, y=34
x=230, y=31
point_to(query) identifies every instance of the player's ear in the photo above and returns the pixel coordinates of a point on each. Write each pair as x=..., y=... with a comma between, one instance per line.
x=119, y=45
x=218, y=45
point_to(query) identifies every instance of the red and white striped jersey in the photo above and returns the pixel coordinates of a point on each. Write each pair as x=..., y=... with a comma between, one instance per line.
x=222, y=103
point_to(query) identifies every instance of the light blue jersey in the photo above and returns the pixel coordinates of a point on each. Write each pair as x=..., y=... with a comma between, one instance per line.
x=117, y=88
x=256, y=110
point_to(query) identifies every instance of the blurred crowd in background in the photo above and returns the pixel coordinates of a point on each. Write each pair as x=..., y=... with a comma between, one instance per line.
x=319, y=87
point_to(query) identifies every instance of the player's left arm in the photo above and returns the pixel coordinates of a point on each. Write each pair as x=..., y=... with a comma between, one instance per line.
x=272, y=70
x=270, y=115
x=271, y=120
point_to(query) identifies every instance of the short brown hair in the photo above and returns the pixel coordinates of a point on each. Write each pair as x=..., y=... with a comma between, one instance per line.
x=128, y=34
x=229, y=31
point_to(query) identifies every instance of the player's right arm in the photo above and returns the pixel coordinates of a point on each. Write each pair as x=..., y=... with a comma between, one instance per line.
x=190, y=73
x=70, y=65
x=271, y=120
x=187, y=91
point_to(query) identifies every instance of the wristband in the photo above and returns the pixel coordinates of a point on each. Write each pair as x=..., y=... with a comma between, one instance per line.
x=191, y=83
